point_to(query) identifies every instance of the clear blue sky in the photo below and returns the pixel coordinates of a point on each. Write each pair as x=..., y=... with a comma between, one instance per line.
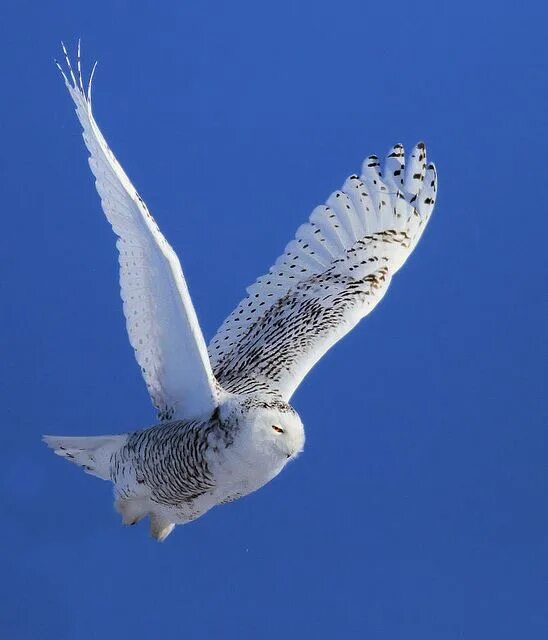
x=418, y=510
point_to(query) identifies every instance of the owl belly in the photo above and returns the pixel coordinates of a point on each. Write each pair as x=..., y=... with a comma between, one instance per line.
x=240, y=475
x=230, y=486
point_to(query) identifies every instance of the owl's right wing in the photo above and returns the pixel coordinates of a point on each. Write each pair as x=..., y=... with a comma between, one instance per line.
x=329, y=277
x=161, y=322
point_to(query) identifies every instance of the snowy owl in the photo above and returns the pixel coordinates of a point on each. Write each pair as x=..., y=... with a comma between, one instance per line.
x=225, y=427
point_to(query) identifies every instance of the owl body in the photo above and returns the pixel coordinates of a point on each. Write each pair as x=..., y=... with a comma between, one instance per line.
x=176, y=471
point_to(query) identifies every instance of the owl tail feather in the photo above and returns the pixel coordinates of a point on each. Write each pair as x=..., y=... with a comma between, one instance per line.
x=93, y=453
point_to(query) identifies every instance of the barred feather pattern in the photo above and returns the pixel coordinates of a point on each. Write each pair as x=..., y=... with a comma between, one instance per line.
x=170, y=461
x=329, y=277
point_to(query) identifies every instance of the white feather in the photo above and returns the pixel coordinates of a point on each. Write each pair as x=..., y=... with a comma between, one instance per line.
x=161, y=322
x=333, y=274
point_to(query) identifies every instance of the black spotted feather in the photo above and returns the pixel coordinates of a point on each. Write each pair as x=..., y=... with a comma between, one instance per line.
x=329, y=277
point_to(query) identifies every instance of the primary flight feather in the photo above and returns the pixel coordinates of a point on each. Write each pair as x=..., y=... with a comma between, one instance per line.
x=226, y=427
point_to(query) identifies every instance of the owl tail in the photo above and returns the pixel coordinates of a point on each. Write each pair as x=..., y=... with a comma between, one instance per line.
x=93, y=453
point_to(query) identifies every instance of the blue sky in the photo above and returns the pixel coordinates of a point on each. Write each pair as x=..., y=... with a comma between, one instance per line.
x=418, y=510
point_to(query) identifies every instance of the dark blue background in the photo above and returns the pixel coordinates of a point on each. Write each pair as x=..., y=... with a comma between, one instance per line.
x=418, y=510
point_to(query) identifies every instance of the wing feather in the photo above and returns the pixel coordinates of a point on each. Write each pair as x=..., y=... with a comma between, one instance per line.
x=329, y=277
x=161, y=322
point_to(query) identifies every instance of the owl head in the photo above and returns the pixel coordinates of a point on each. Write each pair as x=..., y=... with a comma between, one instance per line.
x=270, y=426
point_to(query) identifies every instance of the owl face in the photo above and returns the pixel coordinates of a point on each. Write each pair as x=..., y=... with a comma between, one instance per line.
x=267, y=429
x=278, y=431
x=273, y=431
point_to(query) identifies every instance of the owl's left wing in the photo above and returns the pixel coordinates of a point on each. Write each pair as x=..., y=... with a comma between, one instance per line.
x=329, y=277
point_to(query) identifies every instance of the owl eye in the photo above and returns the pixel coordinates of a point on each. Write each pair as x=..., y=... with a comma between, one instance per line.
x=277, y=429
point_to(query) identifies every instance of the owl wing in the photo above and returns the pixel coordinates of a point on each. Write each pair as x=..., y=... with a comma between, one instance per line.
x=160, y=318
x=329, y=277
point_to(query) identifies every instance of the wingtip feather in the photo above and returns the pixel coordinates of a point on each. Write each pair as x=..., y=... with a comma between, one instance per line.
x=75, y=82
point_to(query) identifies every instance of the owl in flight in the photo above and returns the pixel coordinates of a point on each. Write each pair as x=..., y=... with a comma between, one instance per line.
x=225, y=425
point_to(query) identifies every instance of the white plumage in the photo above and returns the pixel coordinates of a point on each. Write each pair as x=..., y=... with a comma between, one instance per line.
x=161, y=321
x=226, y=426
x=365, y=232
